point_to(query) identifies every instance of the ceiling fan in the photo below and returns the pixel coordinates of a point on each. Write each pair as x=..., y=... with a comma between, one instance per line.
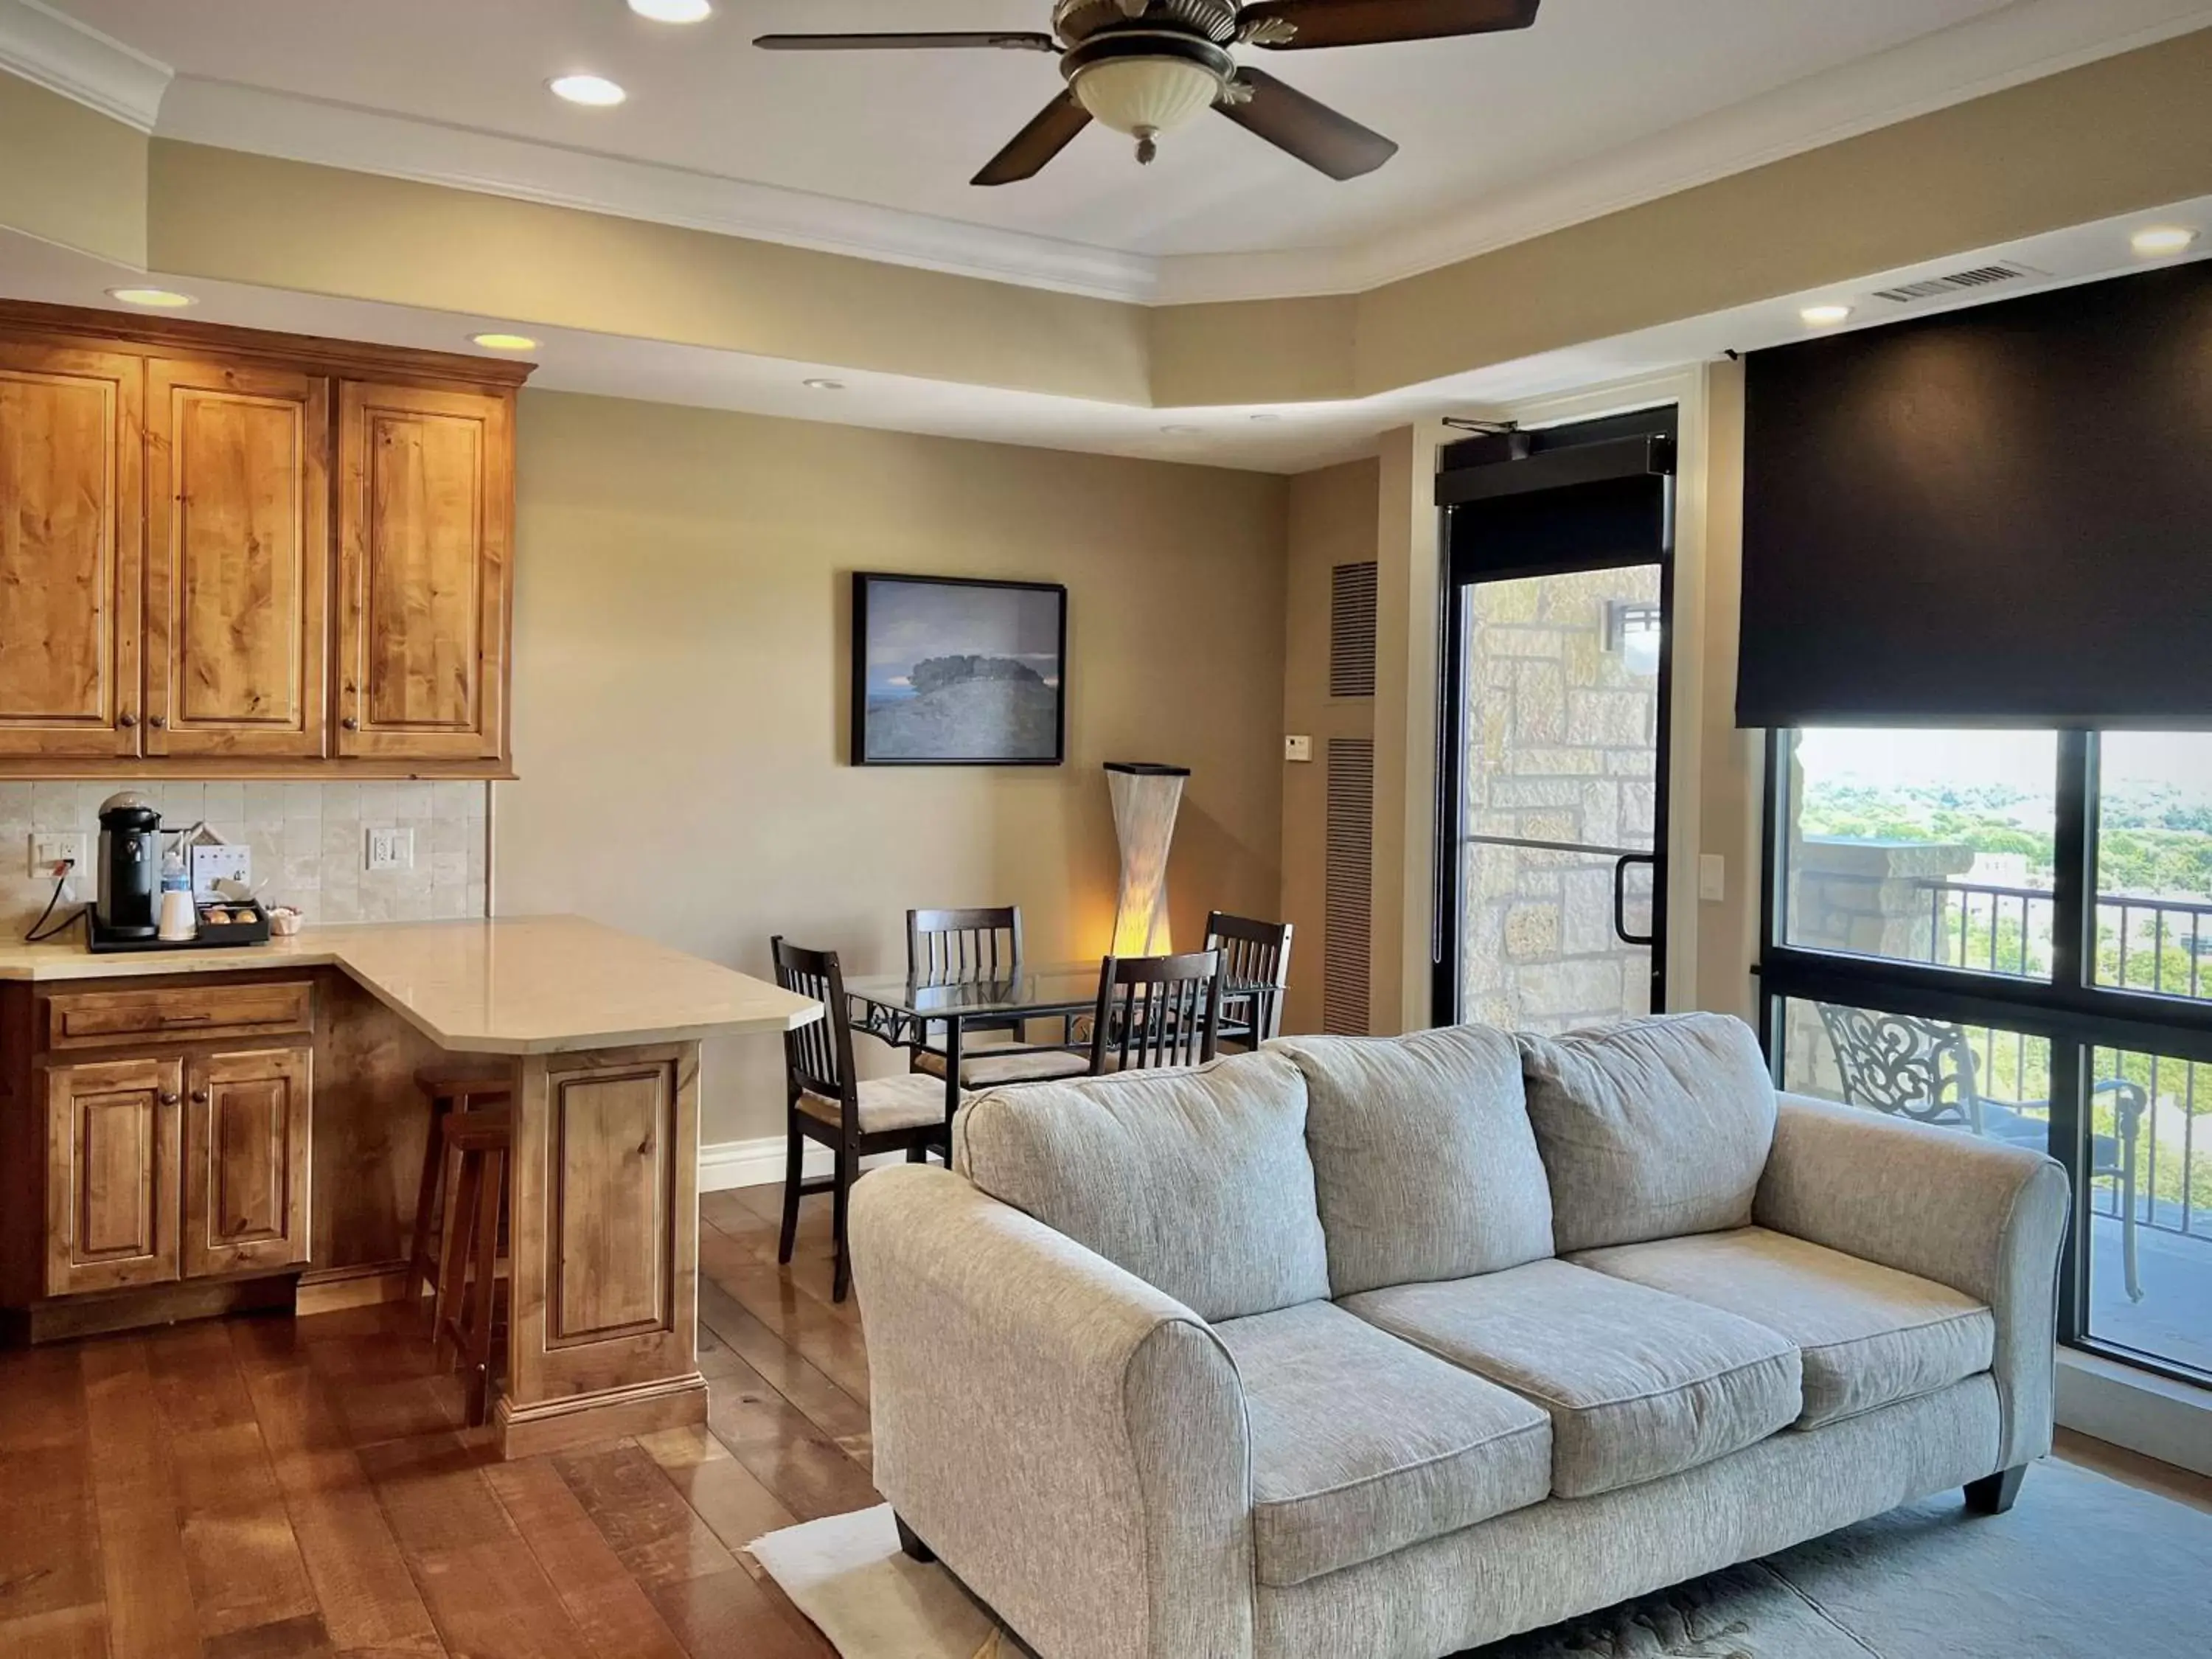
x=1146, y=67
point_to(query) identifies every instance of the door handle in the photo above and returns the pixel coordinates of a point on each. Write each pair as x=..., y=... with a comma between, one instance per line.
x=1620, y=896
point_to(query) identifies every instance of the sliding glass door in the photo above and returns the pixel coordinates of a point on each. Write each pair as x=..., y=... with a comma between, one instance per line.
x=2009, y=934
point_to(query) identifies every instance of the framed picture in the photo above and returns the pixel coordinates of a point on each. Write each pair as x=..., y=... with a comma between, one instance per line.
x=948, y=671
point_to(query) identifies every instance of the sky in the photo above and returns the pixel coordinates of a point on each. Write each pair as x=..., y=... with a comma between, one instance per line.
x=908, y=622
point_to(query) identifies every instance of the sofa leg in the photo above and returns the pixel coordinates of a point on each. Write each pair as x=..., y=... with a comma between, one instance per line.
x=910, y=1540
x=1993, y=1494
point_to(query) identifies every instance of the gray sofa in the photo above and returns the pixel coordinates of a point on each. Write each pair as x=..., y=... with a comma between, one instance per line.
x=1364, y=1348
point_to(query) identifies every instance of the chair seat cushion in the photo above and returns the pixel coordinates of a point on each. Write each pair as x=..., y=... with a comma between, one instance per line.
x=910, y=1101
x=1869, y=1335
x=1363, y=1444
x=988, y=1068
x=1639, y=1383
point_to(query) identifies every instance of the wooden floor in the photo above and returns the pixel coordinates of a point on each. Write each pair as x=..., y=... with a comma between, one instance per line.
x=274, y=1489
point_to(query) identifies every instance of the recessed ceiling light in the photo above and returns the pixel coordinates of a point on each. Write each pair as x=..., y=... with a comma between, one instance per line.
x=673, y=11
x=1824, y=316
x=2161, y=240
x=1181, y=431
x=505, y=342
x=159, y=299
x=593, y=90
x=823, y=385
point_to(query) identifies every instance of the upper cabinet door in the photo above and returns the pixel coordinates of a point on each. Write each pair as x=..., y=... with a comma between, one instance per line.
x=425, y=524
x=70, y=533
x=237, y=571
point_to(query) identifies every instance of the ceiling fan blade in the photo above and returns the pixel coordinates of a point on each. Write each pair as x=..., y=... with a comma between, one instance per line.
x=1374, y=22
x=1002, y=42
x=1318, y=136
x=1054, y=129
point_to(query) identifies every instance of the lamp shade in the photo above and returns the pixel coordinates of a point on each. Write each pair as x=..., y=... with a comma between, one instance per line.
x=1146, y=95
x=1145, y=797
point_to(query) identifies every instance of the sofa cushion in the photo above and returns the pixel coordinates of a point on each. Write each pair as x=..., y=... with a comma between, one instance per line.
x=1424, y=1161
x=1639, y=1383
x=1363, y=1444
x=1869, y=1335
x=1195, y=1180
x=1651, y=1129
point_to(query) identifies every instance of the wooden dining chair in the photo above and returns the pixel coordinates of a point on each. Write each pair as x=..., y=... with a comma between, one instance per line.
x=829, y=1104
x=1156, y=1011
x=1256, y=974
x=948, y=947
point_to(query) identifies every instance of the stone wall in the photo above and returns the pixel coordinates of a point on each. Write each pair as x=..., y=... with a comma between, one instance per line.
x=1560, y=747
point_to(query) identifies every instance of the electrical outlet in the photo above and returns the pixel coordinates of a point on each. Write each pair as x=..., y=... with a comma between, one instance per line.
x=50, y=853
x=391, y=849
x=1297, y=749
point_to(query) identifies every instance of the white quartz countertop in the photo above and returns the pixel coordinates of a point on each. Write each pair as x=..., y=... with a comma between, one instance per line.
x=512, y=986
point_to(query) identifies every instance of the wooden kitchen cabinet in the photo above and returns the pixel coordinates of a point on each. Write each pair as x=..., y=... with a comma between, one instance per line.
x=112, y=1186
x=424, y=524
x=238, y=561
x=230, y=553
x=246, y=1158
x=71, y=425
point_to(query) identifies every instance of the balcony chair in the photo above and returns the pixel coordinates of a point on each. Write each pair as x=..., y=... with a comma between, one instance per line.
x=1924, y=1069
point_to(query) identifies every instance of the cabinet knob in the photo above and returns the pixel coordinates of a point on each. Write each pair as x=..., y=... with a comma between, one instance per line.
x=168, y=1096
x=126, y=720
x=157, y=722
x=350, y=723
x=199, y=1097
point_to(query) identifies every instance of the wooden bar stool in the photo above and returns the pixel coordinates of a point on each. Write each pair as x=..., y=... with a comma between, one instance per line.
x=479, y=1143
x=456, y=1085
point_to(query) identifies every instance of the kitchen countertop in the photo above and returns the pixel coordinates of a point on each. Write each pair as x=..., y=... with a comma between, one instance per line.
x=516, y=985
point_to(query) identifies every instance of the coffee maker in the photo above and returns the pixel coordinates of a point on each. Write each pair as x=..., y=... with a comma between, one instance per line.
x=129, y=868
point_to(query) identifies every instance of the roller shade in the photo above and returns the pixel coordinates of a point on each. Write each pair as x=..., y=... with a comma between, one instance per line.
x=1997, y=516
x=1527, y=503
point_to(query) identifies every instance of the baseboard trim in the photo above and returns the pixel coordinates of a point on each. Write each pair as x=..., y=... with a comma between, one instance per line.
x=726, y=1164
x=2139, y=1410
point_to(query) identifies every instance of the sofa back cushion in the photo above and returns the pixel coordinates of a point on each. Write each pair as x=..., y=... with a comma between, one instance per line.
x=1424, y=1161
x=1651, y=1129
x=1197, y=1181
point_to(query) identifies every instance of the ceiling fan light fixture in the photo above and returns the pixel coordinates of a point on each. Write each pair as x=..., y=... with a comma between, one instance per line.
x=1146, y=96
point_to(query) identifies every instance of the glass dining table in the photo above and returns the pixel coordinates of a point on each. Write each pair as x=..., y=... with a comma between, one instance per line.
x=912, y=1013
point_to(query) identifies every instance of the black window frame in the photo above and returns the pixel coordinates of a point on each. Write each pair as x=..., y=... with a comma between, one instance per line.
x=2070, y=1011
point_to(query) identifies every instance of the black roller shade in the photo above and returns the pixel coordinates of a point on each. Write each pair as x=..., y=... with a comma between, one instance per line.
x=1572, y=498
x=2001, y=516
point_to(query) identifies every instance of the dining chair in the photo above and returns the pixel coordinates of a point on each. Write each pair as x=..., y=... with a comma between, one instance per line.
x=1157, y=1011
x=982, y=943
x=855, y=1118
x=1255, y=975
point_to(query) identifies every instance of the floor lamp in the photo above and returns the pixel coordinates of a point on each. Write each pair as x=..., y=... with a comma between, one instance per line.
x=1145, y=797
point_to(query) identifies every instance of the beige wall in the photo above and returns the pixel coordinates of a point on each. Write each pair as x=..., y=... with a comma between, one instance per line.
x=680, y=695
x=1332, y=522
x=71, y=176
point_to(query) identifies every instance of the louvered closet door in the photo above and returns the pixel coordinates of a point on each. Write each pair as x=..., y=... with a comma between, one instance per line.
x=1348, y=886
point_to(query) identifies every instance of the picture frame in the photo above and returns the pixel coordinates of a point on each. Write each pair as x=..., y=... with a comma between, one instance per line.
x=958, y=670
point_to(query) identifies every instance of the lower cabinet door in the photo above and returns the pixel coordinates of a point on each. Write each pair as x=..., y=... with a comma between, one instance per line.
x=247, y=1160
x=112, y=1175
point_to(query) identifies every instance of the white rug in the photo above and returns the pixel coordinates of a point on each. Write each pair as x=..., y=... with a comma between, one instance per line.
x=2084, y=1568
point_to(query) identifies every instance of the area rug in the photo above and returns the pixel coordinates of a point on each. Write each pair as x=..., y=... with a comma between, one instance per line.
x=2083, y=1568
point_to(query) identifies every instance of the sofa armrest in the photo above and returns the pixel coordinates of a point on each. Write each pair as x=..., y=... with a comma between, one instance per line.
x=1068, y=1440
x=1985, y=1219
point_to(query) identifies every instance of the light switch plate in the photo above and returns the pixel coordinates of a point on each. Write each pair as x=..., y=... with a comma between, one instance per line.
x=48, y=853
x=1712, y=878
x=1297, y=749
x=391, y=849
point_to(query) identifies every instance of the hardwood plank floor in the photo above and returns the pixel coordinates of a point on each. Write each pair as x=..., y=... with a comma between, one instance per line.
x=277, y=1489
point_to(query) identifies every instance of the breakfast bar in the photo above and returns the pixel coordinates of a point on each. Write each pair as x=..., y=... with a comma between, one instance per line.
x=236, y=1128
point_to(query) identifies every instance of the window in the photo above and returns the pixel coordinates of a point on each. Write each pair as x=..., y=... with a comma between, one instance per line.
x=2008, y=934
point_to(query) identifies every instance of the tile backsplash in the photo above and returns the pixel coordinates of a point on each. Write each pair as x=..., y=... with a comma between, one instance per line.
x=310, y=842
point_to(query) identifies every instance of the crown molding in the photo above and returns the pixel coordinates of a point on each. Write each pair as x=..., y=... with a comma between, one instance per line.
x=230, y=116
x=2021, y=43
x=49, y=50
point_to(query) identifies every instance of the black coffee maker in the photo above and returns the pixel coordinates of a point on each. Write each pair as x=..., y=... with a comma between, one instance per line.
x=129, y=868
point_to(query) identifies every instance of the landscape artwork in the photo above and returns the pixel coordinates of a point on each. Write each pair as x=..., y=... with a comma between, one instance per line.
x=950, y=671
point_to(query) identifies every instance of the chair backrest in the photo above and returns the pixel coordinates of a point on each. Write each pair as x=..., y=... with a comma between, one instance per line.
x=818, y=1055
x=1923, y=1069
x=1255, y=956
x=980, y=943
x=1156, y=1010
